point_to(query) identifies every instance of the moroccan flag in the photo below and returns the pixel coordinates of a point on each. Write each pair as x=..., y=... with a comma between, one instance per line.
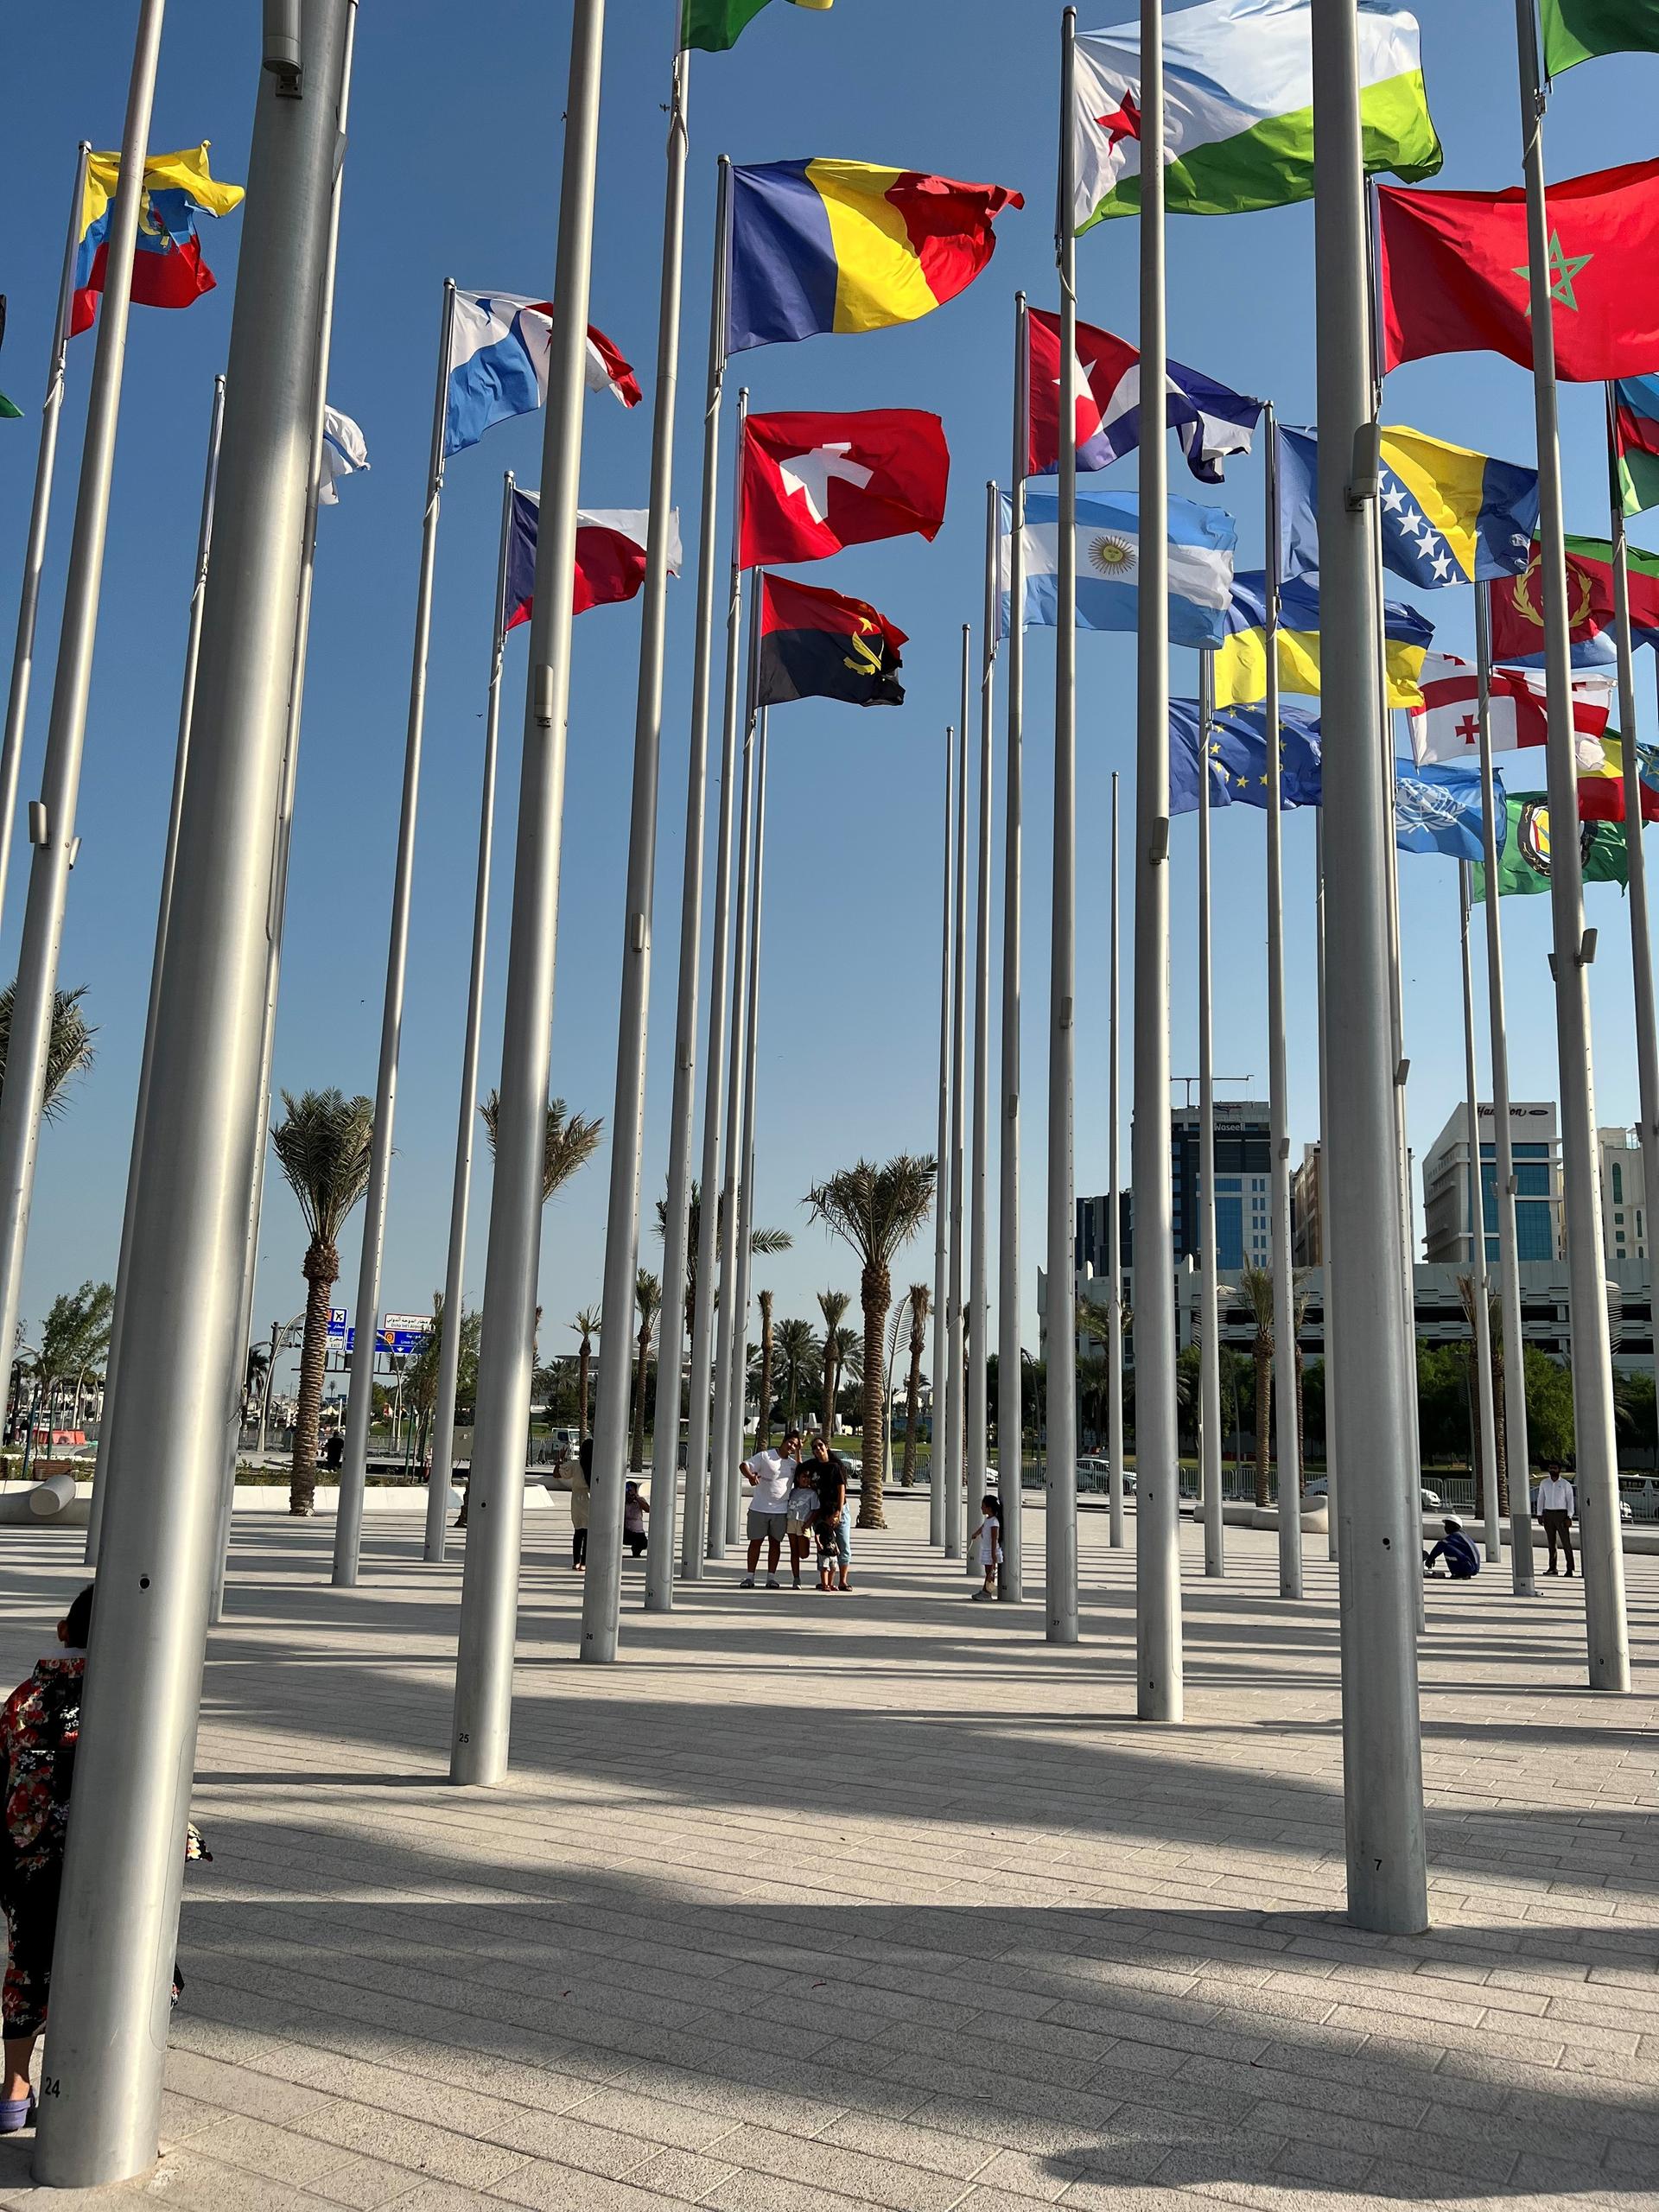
x=817, y=644
x=168, y=269
x=1518, y=611
x=1454, y=273
x=1635, y=442
x=815, y=483
x=1524, y=856
x=822, y=246
x=715, y=25
x=1578, y=30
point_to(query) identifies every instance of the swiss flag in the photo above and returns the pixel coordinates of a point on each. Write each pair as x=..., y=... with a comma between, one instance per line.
x=814, y=483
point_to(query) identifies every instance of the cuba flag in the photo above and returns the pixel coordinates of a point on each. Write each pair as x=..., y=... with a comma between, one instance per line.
x=498, y=349
x=1201, y=544
x=818, y=247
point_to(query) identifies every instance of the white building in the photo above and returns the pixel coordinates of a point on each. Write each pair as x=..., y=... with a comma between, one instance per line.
x=1623, y=1196
x=1534, y=1142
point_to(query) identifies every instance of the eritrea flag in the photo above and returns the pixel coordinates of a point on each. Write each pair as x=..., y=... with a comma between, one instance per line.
x=1455, y=273
x=1519, y=606
x=819, y=645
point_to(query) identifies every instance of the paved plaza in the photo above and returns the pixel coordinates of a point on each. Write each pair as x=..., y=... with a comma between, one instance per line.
x=814, y=1901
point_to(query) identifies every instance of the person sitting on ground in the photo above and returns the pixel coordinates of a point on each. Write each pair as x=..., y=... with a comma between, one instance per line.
x=988, y=1536
x=802, y=1512
x=1462, y=1560
x=634, y=1509
x=771, y=1474
x=835, y=1521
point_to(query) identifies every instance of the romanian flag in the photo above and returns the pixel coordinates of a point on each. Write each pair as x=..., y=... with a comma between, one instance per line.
x=1635, y=441
x=820, y=645
x=717, y=25
x=823, y=246
x=168, y=269
x=1242, y=663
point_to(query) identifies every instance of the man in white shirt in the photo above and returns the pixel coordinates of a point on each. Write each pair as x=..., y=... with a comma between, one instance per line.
x=771, y=1474
x=1556, y=1506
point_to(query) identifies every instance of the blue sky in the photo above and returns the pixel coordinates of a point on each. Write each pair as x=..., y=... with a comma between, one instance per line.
x=454, y=170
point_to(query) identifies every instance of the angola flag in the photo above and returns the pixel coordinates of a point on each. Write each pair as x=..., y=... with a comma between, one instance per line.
x=1578, y=30
x=819, y=645
x=1519, y=606
x=716, y=25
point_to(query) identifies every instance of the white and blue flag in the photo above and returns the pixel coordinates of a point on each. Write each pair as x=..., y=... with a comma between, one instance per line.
x=498, y=349
x=1201, y=546
x=344, y=453
x=1437, y=808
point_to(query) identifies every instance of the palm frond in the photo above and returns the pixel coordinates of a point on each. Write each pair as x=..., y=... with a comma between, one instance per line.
x=322, y=1144
x=876, y=1209
x=571, y=1142
x=68, y=1049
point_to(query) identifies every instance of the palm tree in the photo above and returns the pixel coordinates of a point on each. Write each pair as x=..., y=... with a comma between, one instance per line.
x=421, y=1374
x=844, y=1356
x=764, y=1379
x=798, y=1367
x=69, y=1045
x=761, y=1240
x=648, y=1304
x=921, y=1305
x=1468, y=1294
x=571, y=1140
x=833, y=1305
x=322, y=1147
x=586, y=1325
x=1255, y=1292
x=877, y=1210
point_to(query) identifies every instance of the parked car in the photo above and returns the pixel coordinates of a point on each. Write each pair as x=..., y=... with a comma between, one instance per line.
x=1094, y=1473
x=1320, y=1488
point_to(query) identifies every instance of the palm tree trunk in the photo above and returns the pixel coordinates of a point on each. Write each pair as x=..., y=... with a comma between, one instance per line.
x=1264, y=1417
x=1500, y=1433
x=584, y=1367
x=636, y=1441
x=1477, y=1469
x=321, y=1270
x=764, y=1421
x=876, y=1294
x=913, y=1405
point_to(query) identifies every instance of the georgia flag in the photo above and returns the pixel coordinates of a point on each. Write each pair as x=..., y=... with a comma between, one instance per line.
x=1447, y=727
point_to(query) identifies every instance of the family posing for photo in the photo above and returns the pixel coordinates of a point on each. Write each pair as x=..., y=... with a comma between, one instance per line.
x=803, y=1497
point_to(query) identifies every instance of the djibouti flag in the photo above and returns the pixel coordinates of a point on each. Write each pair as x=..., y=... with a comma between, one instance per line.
x=716, y=25
x=1238, y=99
x=1578, y=30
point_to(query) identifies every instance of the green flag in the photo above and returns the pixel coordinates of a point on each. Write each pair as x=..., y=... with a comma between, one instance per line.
x=716, y=25
x=1578, y=30
x=1524, y=863
x=7, y=412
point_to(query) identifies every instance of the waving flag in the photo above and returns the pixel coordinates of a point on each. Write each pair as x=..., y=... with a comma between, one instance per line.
x=1447, y=727
x=1201, y=542
x=1578, y=30
x=815, y=483
x=1449, y=516
x=498, y=350
x=1636, y=440
x=168, y=269
x=716, y=25
x=610, y=544
x=1523, y=848
x=1242, y=663
x=1238, y=98
x=1211, y=421
x=1518, y=604
x=7, y=412
x=344, y=453
x=1437, y=808
x=1601, y=783
x=823, y=246
x=1454, y=273
x=820, y=645
x=1238, y=757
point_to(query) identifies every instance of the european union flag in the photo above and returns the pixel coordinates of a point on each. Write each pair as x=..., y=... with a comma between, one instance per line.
x=1449, y=516
x=1238, y=756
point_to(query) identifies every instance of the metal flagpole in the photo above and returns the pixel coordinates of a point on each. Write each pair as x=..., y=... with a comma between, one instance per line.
x=1284, y=1273
x=601, y=1589
x=1010, y=1380
x=1158, y=1505
x=1597, y=1461
x=1214, y=1561
x=489, y=1597
x=359, y=1403
x=979, y=1280
x=124, y=1864
x=1060, y=1512
x=936, y=1450
x=1380, y=1573
x=169, y=868
x=1115, y=1220
x=51, y=817
x=739, y=1386
x=28, y=607
x=723, y=1472
x=1647, y=1039
x=443, y=1421
x=1325, y=1162
x=1515, y=1373
x=1480, y=1318
x=659, y=1552
x=956, y=1348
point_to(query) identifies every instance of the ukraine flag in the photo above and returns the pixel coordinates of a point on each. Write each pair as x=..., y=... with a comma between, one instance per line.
x=1242, y=663
x=823, y=246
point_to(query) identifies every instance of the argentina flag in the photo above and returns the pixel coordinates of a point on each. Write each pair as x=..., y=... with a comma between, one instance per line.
x=1201, y=546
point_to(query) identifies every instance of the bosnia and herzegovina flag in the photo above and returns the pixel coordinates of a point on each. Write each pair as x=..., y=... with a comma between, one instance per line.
x=168, y=269
x=1242, y=663
x=716, y=25
x=1449, y=516
x=1636, y=440
x=820, y=645
x=829, y=246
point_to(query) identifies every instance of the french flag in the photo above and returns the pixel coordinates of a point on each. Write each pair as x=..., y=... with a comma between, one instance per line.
x=611, y=545
x=1211, y=421
x=498, y=349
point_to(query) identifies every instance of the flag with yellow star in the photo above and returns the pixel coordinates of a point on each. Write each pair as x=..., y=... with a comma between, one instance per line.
x=1236, y=745
x=1457, y=274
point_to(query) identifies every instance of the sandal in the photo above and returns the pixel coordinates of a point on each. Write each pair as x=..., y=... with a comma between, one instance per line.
x=16, y=2113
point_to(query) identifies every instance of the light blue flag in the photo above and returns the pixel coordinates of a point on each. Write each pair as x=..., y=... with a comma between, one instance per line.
x=1437, y=808
x=1201, y=543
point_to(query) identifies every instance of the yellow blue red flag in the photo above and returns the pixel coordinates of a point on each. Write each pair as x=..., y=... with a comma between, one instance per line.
x=168, y=269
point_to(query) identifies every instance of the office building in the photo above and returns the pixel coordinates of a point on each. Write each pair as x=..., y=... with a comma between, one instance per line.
x=1623, y=1196
x=1093, y=1219
x=1447, y=1223
x=1306, y=1211
x=1244, y=1163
